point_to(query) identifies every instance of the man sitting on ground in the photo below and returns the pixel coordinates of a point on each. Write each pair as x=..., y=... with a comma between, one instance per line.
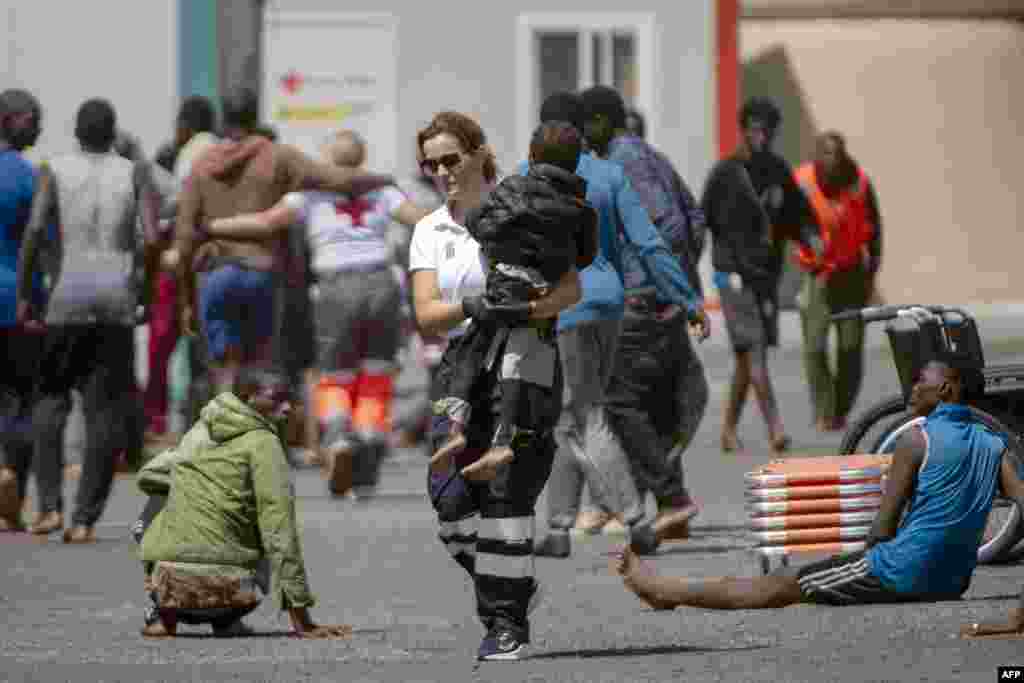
x=230, y=504
x=945, y=474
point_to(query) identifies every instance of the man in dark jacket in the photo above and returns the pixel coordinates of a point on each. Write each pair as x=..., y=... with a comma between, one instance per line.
x=657, y=393
x=753, y=205
x=587, y=337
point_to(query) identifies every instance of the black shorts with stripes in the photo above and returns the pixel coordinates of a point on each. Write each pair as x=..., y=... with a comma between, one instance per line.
x=844, y=580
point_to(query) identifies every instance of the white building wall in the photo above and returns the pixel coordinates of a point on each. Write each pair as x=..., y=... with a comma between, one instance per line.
x=459, y=55
x=930, y=108
x=67, y=52
x=462, y=56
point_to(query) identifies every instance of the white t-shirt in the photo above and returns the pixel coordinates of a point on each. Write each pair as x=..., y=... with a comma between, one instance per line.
x=347, y=232
x=441, y=244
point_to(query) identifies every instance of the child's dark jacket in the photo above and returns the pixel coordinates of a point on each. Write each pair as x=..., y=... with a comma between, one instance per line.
x=539, y=220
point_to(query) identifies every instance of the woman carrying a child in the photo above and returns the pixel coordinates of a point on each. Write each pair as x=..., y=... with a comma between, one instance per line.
x=492, y=455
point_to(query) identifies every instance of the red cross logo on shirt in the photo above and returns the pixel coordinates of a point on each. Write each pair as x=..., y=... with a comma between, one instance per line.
x=355, y=208
x=291, y=82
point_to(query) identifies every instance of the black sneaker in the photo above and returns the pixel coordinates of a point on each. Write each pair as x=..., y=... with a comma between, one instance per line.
x=501, y=646
x=555, y=544
x=363, y=494
x=235, y=628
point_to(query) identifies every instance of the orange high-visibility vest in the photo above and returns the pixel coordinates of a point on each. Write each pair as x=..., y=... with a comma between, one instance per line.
x=845, y=226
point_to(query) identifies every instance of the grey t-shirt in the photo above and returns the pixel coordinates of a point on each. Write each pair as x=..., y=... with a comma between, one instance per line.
x=98, y=275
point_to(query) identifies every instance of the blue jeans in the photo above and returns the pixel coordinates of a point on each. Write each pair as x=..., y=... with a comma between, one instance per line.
x=236, y=308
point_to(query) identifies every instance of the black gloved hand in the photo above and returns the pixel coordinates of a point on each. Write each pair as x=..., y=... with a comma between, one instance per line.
x=482, y=310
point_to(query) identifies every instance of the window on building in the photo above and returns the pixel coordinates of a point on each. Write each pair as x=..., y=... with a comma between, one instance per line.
x=558, y=57
x=562, y=62
x=571, y=52
x=624, y=65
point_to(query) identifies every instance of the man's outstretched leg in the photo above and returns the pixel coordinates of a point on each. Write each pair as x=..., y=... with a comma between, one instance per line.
x=664, y=592
x=837, y=580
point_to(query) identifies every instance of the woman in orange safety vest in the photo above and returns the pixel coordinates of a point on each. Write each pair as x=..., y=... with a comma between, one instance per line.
x=842, y=276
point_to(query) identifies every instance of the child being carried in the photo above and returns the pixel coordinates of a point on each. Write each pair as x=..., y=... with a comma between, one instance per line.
x=532, y=229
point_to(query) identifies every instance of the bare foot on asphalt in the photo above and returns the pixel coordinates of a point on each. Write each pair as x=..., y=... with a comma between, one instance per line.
x=730, y=442
x=673, y=523
x=325, y=632
x=639, y=578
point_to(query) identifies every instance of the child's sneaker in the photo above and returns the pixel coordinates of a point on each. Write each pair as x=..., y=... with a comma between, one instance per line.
x=501, y=646
x=555, y=544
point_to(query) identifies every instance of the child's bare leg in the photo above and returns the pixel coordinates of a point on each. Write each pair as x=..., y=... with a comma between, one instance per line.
x=486, y=468
x=441, y=461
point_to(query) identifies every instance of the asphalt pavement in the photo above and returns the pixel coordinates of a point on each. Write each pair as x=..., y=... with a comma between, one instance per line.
x=73, y=613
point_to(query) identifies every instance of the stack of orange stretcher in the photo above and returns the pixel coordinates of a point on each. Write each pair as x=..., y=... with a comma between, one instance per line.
x=813, y=505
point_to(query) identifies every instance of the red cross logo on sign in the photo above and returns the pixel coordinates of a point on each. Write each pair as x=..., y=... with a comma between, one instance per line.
x=291, y=82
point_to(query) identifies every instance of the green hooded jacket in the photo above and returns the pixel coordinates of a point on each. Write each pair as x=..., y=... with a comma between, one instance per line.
x=230, y=499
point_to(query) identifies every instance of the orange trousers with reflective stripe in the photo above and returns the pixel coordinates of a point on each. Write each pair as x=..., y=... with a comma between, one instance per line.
x=362, y=401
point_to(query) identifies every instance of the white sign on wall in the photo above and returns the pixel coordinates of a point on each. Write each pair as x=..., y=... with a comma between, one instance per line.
x=325, y=71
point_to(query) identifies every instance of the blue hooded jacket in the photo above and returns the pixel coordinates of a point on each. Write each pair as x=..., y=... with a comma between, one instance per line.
x=621, y=217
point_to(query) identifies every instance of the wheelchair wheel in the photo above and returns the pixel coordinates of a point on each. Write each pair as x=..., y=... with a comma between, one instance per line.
x=1004, y=526
x=1014, y=554
x=873, y=425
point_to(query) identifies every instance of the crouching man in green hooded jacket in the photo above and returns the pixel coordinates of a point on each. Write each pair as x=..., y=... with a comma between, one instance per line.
x=221, y=506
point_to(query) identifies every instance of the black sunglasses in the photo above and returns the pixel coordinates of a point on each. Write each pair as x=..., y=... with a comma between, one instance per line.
x=450, y=161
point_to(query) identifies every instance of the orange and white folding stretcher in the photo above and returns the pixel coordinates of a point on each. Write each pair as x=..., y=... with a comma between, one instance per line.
x=820, y=505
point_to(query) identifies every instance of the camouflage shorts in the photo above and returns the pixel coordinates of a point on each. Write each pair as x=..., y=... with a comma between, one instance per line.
x=179, y=585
